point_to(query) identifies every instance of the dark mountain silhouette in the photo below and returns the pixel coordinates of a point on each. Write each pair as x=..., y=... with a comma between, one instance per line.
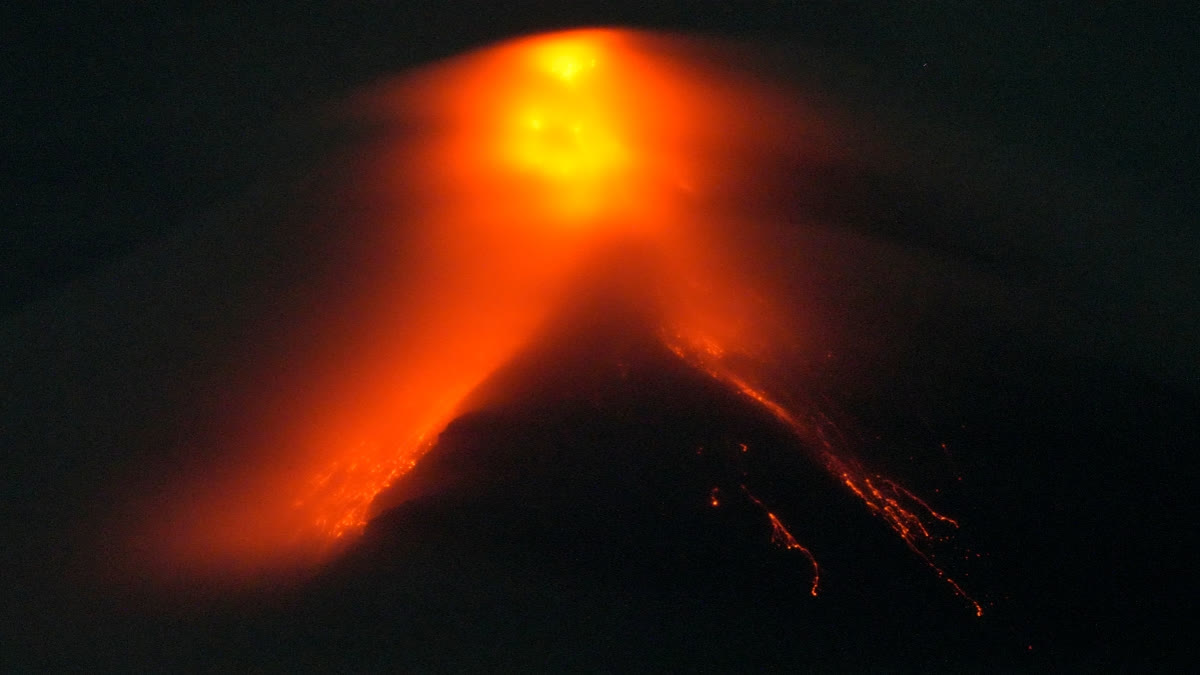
x=568, y=526
x=565, y=524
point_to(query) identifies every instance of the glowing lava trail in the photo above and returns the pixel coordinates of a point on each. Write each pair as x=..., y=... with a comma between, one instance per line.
x=501, y=173
x=920, y=527
x=781, y=537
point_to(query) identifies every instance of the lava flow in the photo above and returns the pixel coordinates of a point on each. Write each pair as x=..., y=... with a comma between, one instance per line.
x=500, y=173
x=782, y=537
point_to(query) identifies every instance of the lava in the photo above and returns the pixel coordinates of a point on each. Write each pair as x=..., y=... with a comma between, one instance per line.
x=909, y=516
x=781, y=537
x=506, y=168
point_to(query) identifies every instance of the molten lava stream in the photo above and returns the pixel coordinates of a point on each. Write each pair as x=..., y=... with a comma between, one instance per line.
x=502, y=171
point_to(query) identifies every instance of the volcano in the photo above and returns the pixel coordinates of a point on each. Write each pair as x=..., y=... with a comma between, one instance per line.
x=608, y=350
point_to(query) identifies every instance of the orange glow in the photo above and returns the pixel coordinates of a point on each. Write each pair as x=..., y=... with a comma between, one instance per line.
x=500, y=173
x=573, y=129
x=526, y=158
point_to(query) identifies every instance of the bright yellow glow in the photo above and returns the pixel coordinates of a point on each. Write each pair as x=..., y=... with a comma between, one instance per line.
x=570, y=55
x=576, y=131
x=567, y=133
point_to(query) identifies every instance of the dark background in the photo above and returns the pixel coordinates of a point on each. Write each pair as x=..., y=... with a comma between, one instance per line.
x=127, y=124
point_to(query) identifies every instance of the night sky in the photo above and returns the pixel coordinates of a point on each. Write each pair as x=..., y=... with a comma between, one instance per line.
x=1041, y=191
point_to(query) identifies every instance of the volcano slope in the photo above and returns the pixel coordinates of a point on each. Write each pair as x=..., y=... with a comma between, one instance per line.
x=607, y=507
x=567, y=524
x=607, y=511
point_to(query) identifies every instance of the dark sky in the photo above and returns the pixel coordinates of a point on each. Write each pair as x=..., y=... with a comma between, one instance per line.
x=1068, y=135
